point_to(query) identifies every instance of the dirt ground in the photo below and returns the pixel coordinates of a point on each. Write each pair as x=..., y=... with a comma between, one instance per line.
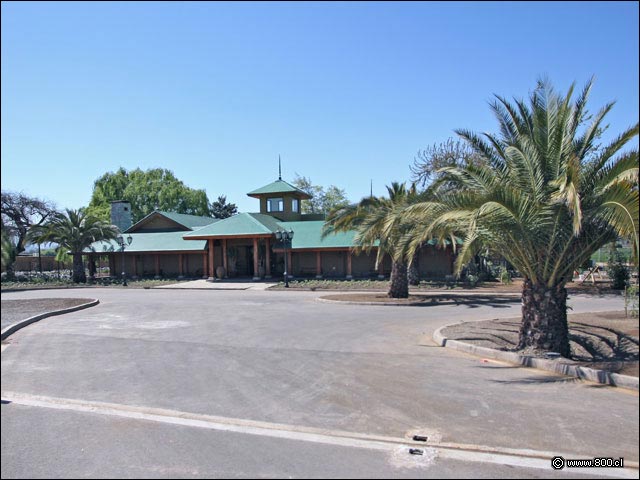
x=428, y=298
x=16, y=310
x=598, y=286
x=605, y=341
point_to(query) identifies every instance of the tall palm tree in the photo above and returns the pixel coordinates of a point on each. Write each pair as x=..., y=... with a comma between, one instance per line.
x=74, y=231
x=375, y=221
x=546, y=198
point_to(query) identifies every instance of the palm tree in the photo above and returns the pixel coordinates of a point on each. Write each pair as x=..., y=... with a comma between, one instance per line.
x=74, y=231
x=546, y=198
x=375, y=221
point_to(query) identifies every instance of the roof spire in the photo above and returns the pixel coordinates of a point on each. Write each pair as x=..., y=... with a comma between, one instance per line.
x=279, y=168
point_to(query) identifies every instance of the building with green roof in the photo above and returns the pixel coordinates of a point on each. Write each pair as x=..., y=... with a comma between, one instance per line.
x=244, y=245
x=157, y=249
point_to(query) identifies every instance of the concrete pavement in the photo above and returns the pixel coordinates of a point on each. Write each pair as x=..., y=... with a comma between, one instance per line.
x=284, y=358
x=203, y=284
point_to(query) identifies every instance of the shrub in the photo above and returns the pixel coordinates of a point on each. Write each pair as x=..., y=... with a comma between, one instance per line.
x=505, y=276
x=472, y=280
x=616, y=269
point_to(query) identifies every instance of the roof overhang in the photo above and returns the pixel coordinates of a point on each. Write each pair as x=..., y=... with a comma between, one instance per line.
x=229, y=237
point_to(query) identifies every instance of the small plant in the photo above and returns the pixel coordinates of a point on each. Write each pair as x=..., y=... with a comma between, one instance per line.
x=505, y=276
x=449, y=281
x=472, y=280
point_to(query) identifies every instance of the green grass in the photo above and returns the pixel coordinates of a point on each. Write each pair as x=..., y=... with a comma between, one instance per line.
x=38, y=283
x=35, y=284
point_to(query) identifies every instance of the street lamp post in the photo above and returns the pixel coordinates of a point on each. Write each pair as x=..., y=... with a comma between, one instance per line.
x=284, y=237
x=121, y=242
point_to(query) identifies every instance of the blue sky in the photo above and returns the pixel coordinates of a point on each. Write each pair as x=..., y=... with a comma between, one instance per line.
x=346, y=93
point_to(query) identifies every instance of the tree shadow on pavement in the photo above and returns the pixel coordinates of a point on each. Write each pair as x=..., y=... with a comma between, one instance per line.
x=540, y=379
x=475, y=301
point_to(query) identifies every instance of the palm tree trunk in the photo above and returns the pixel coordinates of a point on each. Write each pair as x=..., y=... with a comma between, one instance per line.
x=399, y=285
x=92, y=269
x=414, y=273
x=544, y=325
x=78, y=269
x=10, y=272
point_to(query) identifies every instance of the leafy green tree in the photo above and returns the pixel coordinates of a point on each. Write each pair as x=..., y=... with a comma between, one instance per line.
x=376, y=222
x=322, y=201
x=106, y=189
x=452, y=153
x=74, y=231
x=545, y=197
x=332, y=198
x=153, y=189
x=221, y=209
x=19, y=213
x=314, y=204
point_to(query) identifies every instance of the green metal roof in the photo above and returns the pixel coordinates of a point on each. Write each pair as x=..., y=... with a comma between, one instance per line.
x=240, y=224
x=309, y=235
x=189, y=221
x=152, y=242
x=279, y=186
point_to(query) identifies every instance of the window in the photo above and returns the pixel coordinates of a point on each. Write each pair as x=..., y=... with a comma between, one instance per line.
x=275, y=205
x=295, y=205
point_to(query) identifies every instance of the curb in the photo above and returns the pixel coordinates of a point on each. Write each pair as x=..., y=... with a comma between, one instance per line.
x=14, y=327
x=195, y=288
x=555, y=366
x=378, y=304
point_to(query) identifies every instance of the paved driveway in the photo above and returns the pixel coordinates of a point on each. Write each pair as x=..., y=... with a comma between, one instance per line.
x=293, y=365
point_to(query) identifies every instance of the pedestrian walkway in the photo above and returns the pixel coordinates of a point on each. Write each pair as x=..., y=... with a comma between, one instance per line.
x=219, y=285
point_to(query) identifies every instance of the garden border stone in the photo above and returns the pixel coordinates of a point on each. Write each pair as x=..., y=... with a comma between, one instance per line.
x=561, y=366
x=14, y=327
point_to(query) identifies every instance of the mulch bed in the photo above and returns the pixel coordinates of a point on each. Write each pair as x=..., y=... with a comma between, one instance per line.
x=427, y=299
x=605, y=341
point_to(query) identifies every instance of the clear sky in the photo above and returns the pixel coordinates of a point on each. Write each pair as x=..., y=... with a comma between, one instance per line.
x=346, y=93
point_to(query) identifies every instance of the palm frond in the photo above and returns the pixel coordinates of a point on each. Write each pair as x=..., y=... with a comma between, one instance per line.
x=543, y=199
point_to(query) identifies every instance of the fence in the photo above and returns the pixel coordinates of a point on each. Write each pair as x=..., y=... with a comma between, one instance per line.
x=26, y=263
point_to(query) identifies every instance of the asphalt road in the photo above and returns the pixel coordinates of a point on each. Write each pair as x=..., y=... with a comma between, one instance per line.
x=180, y=383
